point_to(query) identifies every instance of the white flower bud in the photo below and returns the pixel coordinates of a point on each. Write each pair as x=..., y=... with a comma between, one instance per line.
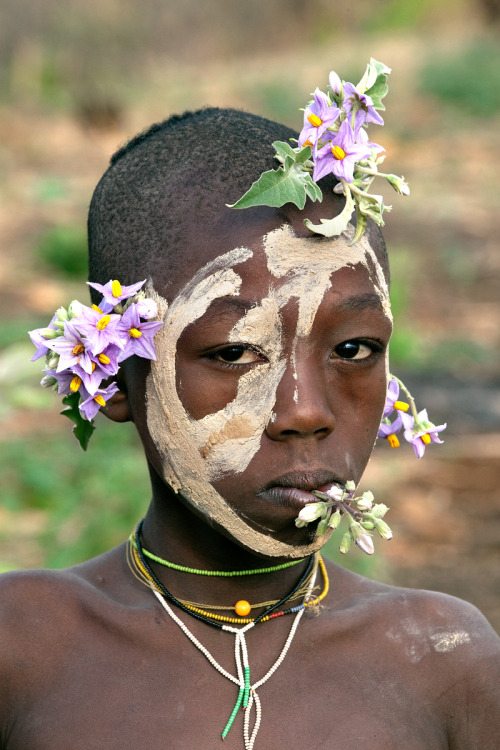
x=363, y=503
x=379, y=510
x=335, y=492
x=52, y=361
x=399, y=185
x=383, y=529
x=350, y=486
x=48, y=381
x=365, y=543
x=334, y=520
x=335, y=83
x=147, y=308
x=312, y=511
x=75, y=309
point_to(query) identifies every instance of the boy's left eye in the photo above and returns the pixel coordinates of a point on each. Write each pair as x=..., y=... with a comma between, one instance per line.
x=237, y=354
x=353, y=350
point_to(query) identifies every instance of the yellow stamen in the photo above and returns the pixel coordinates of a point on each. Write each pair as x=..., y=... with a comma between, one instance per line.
x=135, y=333
x=78, y=349
x=75, y=383
x=103, y=359
x=116, y=288
x=99, y=399
x=93, y=366
x=401, y=406
x=103, y=322
x=338, y=152
x=308, y=143
x=426, y=438
x=393, y=441
x=97, y=309
x=314, y=120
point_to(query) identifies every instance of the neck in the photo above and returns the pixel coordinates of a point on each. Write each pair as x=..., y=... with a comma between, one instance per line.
x=173, y=532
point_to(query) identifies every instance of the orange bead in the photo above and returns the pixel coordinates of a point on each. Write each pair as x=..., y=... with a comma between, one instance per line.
x=242, y=608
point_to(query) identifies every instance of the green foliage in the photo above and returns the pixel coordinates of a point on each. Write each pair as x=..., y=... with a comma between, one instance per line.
x=90, y=501
x=287, y=184
x=468, y=81
x=64, y=249
x=83, y=428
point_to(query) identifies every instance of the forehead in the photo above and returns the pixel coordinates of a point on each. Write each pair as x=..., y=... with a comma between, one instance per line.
x=282, y=253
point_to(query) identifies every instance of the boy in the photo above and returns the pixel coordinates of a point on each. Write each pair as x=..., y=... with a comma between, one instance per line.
x=270, y=382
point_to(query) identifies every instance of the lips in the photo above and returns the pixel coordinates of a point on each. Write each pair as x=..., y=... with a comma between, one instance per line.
x=294, y=490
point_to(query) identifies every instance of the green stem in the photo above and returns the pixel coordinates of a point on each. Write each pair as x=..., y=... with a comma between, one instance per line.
x=410, y=398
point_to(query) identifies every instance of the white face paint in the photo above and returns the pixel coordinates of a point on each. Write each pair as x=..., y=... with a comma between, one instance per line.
x=196, y=452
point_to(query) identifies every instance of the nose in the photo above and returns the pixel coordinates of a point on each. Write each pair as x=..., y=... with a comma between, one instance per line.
x=303, y=406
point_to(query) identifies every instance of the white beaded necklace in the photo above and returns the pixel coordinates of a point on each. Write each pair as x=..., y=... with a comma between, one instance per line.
x=247, y=694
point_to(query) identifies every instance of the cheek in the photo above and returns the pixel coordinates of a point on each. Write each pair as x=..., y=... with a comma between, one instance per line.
x=203, y=392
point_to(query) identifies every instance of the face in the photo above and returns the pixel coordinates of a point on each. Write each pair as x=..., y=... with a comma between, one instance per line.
x=270, y=382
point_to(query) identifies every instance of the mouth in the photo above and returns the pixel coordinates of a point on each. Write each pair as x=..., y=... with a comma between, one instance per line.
x=294, y=490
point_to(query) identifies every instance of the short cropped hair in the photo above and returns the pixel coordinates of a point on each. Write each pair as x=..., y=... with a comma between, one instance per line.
x=188, y=166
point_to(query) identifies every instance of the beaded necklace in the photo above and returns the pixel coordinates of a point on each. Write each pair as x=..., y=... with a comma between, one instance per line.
x=207, y=617
x=247, y=696
x=136, y=566
x=215, y=573
x=247, y=693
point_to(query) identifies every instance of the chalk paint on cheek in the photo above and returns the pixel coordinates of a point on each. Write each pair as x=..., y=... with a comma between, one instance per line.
x=193, y=452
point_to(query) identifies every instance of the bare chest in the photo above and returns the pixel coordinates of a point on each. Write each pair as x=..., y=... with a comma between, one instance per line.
x=120, y=693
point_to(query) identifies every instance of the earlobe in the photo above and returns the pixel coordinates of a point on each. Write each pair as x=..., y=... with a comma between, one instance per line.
x=117, y=407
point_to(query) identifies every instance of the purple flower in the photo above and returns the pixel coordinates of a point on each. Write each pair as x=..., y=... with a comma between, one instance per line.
x=317, y=118
x=72, y=349
x=335, y=83
x=340, y=155
x=40, y=341
x=100, y=330
x=106, y=362
x=392, y=399
x=362, y=138
x=114, y=292
x=361, y=105
x=420, y=432
x=389, y=430
x=92, y=403
x=138, y=334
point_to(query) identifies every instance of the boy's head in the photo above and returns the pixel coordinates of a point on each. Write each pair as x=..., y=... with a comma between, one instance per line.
x=271, y=371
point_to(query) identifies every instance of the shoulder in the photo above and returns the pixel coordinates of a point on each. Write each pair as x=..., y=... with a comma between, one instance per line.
x=440, y=648
x=419, y=622
x=39, y=607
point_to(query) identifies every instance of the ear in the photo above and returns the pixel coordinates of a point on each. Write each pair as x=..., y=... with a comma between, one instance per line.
x=117, y=407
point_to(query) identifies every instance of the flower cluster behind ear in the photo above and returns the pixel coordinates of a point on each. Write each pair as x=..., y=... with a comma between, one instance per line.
x=84, y=346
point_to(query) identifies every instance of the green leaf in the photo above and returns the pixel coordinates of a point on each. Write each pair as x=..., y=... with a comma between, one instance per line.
x=337, y=225
x=360, y=226
x=379, y=88
x=83, y=428
x=283, y=149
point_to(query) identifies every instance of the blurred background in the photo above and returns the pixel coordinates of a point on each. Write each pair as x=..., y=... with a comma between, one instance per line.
x=77, y=80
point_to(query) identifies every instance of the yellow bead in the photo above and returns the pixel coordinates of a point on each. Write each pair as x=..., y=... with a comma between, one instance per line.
x=242, y=608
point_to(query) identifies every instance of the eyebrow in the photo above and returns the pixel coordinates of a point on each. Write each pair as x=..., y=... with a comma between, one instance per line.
x=226, y=307
x=359, y=302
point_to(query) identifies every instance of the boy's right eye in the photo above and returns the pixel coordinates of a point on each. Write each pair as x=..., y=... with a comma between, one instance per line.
x=237, y=355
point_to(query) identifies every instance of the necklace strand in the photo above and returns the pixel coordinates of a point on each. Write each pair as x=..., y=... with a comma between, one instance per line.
x=215, y=573
x=247, y=693
x=142, y=575
x=204, y=618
